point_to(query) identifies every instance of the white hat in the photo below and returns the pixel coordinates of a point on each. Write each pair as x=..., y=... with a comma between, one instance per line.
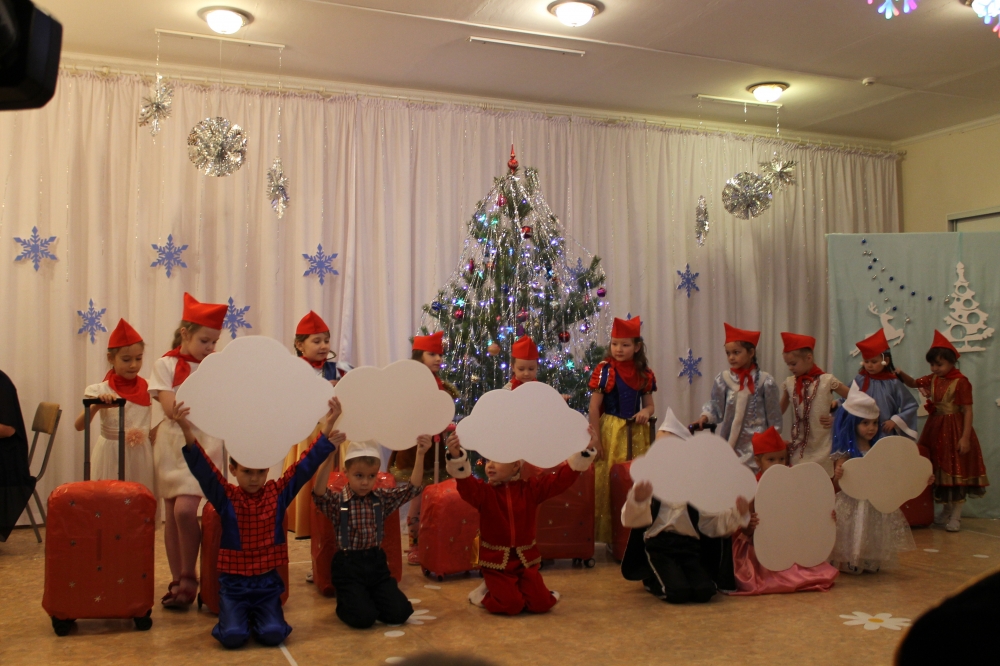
x=367, y=449
x=673, y=425
x=861, y=404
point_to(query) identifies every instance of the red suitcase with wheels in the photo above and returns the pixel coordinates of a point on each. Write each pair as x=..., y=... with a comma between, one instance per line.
x=565, y=523
x=323, y=542
x=448, y=540
x=919, y=511
x=99, y=546
x=620, y=482
x=211, y=540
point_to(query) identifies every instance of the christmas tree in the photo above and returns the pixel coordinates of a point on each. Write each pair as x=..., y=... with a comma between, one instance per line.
x=516, y=277
x=965, y=316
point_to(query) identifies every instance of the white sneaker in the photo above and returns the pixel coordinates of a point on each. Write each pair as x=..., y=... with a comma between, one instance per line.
x=477, y=595
x=309, y=577
x=945, y=515
x=555, y=594
x=955, y=519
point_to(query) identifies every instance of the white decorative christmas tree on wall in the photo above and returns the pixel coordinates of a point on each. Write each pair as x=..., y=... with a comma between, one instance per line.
x=967, y=323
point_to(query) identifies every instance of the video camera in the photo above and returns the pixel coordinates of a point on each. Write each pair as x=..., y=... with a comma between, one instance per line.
x=30, y=42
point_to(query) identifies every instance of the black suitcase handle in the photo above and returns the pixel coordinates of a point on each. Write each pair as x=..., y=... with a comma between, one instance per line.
x=695, y=427
x=628, y=430
x=87, y=404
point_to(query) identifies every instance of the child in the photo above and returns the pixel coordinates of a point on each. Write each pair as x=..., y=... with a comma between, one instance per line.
x=524, y=362
x=744, y=399
x=366, y=591
x=623, y=387
x=672, y=427
x=877, y=377
x=948, y=433
x=751, y=578
x=810, y=392
x=679, y=554
x=867, y=539
x=508, y=555
x=125, y=348
x=195, y=339
x=253, y=542
x=429, y=350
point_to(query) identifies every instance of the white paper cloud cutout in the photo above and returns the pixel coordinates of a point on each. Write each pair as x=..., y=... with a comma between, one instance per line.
x=531, y=423
x=393, y=405
x=891, y=473
x=703, y=471
x=794, y=506
x=257, y=397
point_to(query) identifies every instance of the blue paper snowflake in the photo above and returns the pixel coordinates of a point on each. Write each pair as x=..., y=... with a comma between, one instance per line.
x=169, y=255
x=92, y=321
x=35, y=248
x=320, y=264
x=234, y=320
x=690, y=367
x=688, y=280
x=578, y=270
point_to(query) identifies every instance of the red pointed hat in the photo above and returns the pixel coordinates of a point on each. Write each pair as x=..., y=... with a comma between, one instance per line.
x=873, y=345
x=795, y=342
x=433, y=343
x=734, y=334
x=943, y=342
x=209, y=315
x=311, y=324
x=768, y=441
x=123, y=335
x=626, y=328
x=524, y=349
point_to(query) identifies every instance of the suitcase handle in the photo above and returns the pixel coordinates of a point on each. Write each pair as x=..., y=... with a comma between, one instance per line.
x=87, y=404
x=628, y=430
x=694, y=427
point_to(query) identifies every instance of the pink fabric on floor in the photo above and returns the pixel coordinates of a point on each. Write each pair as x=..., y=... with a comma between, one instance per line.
x=752, y=578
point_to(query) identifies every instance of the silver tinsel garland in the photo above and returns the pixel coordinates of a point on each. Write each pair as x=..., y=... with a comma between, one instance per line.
x=217, y=147
x=746, y=195
x=277, y=188
x=157, y=106
x=778, y=173
x=701, y=221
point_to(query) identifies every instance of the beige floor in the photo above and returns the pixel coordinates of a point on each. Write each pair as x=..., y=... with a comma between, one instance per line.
x=602, y=619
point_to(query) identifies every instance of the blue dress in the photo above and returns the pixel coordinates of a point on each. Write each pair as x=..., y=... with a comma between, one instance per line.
x=895, y=402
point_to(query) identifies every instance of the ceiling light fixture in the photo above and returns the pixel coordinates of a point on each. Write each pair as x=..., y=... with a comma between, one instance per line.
x=768, y=92
x=574, y=14
x=225, y=20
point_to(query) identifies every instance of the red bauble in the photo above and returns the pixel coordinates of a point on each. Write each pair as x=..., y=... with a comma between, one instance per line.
x=526, y=231
x=512, y=162
x=522, y=315
x=472, y=266
x=493, y=349
x=564, y=336
x=501, y=200
x=458, y=314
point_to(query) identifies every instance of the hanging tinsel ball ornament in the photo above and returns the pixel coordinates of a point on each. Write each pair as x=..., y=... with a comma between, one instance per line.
x=564, y=336
x=701, y=221
x=522, y=316
x=277, y=188
x=493, y=349
x=512, y=162
x=436, y=306
x=778, y=173
x=746, y=195
x=526, y=232
x=217, y=147
x=458, y=314
x=601, y=292
x=156, y=108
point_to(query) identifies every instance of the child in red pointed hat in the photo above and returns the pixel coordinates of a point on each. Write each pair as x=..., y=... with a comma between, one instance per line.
x=810, y=392
x=523, y=362
x=744, y=399
x=622, y=388
x=125, y=351
x=194, y=339
x=877, y=377
x=959, y=470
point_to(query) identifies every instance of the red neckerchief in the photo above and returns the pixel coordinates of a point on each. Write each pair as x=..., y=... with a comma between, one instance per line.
x=515, y=382
x=316, y=364
x=884, y=374
x=806, y=378
x=625, y=371
x=745, y=375
x=759, y=474
x=954, y=373
x=183, y=369
x=440, y=383
x=133, y=390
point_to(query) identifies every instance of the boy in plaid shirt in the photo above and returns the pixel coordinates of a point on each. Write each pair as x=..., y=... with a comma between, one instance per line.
x=366, y=591
x=253, y=539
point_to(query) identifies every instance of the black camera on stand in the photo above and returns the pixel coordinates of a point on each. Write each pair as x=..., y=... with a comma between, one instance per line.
x=30, y=42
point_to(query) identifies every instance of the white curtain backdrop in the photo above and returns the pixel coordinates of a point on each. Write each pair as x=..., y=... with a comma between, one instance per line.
x=388, y=185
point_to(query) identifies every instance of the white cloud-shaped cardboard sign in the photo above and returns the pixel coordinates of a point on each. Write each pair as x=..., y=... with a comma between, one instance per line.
x=257, y=397
x=891, y=473
x=393, y=405
x=703, y=471
x=531, y=423
x=795, y=509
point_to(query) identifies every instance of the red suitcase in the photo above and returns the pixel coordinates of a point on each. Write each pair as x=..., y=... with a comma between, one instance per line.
x=323, y=542
x=211, y=539
x=449, y=532
x=620, y=482
x=565, y=523
x=919, y=511
x=99, y=548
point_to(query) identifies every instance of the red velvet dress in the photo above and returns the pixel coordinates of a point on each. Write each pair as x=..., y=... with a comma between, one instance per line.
x=957, y=476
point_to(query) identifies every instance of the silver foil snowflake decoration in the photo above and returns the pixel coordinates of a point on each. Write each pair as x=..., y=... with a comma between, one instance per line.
x=157, y=106
x=746, y=195
x=217, y=147
x=778, y=173
x=277, y=188
x=701, y=221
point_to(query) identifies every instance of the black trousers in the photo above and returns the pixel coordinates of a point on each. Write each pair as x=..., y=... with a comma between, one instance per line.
x=678, y=574
x=366, y=591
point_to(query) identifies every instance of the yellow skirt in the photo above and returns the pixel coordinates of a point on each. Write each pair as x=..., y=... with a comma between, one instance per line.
x=300, y=508
x=614, y=438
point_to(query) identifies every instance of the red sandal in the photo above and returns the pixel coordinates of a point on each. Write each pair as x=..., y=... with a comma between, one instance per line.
x=171, y=592
x=179, y=600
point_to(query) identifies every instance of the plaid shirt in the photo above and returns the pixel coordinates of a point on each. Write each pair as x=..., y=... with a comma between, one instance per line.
x=362, y=529
x=253, y=537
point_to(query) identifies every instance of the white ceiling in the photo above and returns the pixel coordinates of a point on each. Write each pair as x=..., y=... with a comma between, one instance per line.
x=936, y=67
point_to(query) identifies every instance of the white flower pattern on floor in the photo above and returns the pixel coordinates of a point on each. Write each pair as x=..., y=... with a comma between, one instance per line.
x=877, y=621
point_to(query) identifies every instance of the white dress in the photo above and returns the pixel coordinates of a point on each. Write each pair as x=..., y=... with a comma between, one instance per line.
x=173, y=477
x=138, y=452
